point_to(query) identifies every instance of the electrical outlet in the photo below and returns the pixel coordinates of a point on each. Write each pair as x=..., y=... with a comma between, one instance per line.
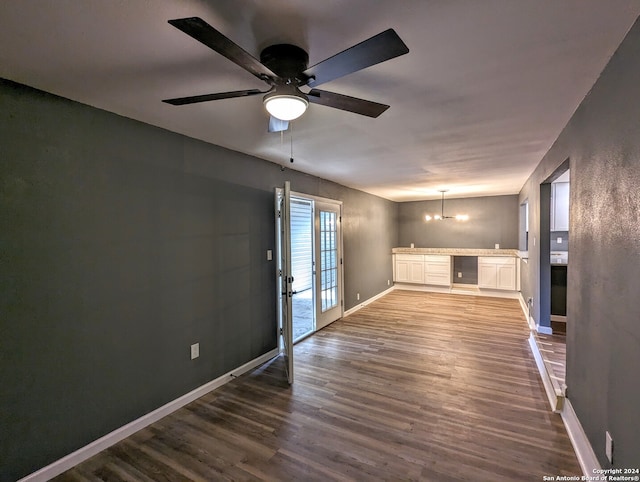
x=559, y=240
x=388, y=282
x=608, y=448
x=195, y=351
x=459, y=274
x=358, y=296
x=497, y=245
x=269, y=255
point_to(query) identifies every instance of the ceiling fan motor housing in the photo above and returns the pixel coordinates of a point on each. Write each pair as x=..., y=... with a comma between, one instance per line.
x=285, y=60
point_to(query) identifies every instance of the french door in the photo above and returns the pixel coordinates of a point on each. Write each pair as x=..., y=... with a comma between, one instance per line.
x=284, y=276
x=328, y=263
x=327, y=266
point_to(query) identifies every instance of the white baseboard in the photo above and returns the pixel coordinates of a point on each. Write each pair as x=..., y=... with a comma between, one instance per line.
x=556, y=400
x=459, y=290
x=418, y=287
x=525, y=308
x=65, y=463
x=513, y=295
x=351, y=311
x=581, y=445
x=547, y=330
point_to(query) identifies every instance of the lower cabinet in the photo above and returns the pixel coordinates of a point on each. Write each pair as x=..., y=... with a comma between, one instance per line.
x=437, y=270
x=409, y=268
x=497, y=272
x=494, y=272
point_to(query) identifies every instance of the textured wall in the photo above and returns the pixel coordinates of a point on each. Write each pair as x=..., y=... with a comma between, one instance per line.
x=602, y=141
x=493, y=219
x=122, y=244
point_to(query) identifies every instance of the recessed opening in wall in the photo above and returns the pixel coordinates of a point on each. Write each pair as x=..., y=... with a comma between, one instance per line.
x=523, y=231
x=465, y=270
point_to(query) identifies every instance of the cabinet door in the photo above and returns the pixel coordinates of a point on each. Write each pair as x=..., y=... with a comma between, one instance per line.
x=487, y=276
x=560, y=206
x=506, y=279
x=402, y=271
x=417, y=272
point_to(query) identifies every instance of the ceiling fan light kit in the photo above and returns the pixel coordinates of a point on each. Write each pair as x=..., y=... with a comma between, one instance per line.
x=284, y=68
x=441, y=216
x=286, y=103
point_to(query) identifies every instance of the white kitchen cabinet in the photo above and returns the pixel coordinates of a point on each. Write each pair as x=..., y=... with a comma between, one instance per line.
x=437, y=270
x=409, y=268
x=497, y=272
x=560, y=206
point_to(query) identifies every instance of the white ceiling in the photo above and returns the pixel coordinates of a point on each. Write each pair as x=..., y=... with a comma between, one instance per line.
x=484, y=91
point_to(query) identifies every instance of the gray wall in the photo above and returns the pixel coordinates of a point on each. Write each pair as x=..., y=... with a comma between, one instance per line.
x=602, y=142
x=122, y=244
x=493, y=219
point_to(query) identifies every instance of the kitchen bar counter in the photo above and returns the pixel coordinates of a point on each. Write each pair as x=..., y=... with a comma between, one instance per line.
x=457, y=251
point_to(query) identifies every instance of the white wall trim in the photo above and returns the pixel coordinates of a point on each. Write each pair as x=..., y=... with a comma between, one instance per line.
x=583, y=449
x=499, y=294
x=420, y=287
x=351, y=311
x=65, y=463
x=459, y=290
x=525, y=310
x=546, y=330
x=555, y=399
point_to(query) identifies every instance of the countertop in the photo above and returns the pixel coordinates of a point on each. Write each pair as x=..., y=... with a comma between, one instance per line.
x=457, y=251
x=559, y=258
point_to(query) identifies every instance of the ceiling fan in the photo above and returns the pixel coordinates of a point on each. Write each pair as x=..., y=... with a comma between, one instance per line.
x=284, y=68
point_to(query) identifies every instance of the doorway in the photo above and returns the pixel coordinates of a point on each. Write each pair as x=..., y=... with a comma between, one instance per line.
x=302, y=261
x=554, y=260
x=315, y=241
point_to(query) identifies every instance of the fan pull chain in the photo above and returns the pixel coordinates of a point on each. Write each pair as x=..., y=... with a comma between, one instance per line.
x=291, y=129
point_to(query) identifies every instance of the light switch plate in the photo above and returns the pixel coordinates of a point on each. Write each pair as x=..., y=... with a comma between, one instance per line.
x=195, y=351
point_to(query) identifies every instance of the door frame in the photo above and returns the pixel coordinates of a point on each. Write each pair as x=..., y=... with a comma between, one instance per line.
x=543, y=324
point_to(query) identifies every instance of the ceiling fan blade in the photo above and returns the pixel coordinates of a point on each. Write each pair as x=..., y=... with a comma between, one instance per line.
x=209, y=36
x=277, y=125
x=345, y=102
x=194, y=99
x=384, y=46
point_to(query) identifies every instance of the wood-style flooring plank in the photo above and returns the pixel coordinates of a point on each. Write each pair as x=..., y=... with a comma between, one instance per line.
x=415, y=386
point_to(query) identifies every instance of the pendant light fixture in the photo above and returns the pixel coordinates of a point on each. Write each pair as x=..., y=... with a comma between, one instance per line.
x=441, y=216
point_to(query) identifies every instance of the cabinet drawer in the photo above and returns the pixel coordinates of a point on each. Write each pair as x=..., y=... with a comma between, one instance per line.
x=437, y=268
x=438, y=279
x=410, y=257
x=497, y=260
x=437, y=258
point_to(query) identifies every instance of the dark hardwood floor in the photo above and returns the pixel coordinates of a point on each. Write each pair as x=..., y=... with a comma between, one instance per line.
x=415, y=386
